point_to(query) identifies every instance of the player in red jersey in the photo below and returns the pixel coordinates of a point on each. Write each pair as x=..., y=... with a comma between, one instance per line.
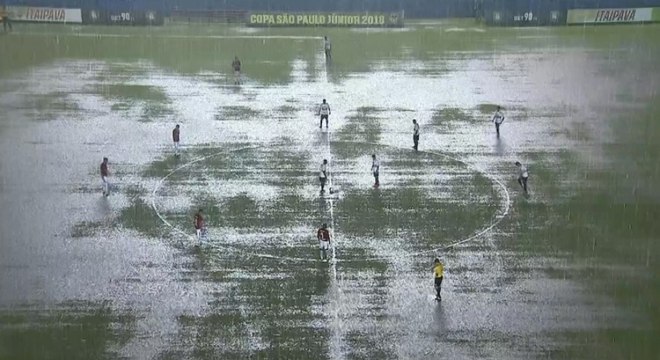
x=175, y=138
x=375, y=169
x=104, y=177
x=236, y=65
x=199, y=224
x=324, y=241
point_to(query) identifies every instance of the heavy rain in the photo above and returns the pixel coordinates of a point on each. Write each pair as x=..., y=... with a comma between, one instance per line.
x=516, y=218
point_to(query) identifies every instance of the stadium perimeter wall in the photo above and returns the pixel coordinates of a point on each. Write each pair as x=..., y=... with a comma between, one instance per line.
x=411, y=8
x=562, y=12
x=492, y=12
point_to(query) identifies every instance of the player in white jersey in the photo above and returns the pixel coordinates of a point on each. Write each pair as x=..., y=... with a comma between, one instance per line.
x=323, y=174
x=375, y=169
x=328, y=47
x=498, y=119
x=415, y=134
x=522, y=175
x=324, y=111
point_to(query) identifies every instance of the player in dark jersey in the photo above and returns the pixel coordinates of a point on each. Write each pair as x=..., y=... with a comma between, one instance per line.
x=199, y=224
x=6, y=21
x=415, y=134
x=323, y=174
x=104, y=177
x=175, y=137
x=323, y=236
x=375, y=169
x=236, y=65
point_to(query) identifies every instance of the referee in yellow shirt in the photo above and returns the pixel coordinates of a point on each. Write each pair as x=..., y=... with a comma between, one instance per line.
x=438, y=272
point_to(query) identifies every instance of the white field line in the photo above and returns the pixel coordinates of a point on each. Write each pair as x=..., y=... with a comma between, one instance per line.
x=192, y=238
x=506, y=204
x=159, y=184
x=331, y=197
x=336, y=294
x=504, y=208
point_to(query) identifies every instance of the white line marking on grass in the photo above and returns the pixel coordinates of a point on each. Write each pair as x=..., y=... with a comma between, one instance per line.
x=161, y=181
x=332, y=211
x=504, y=210
x=193, y=238
x=335, y=292
x=506, y=204
x=332, y=208
x=330, y=198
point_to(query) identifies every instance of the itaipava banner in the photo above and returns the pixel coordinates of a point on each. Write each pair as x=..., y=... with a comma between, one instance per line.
x=44, y=14
x=610, y=16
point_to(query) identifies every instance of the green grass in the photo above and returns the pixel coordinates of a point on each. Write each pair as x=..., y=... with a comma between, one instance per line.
x=362, y=126
x=51, y=106
x=140, y=216
x=450, y=117
x=154, y=101
x=86, y=229
x=73, y=330
x=408, y=210
x=602, y=213
x=237, y=113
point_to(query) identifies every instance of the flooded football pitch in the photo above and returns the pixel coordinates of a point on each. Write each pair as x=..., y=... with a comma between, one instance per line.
x=570, y=270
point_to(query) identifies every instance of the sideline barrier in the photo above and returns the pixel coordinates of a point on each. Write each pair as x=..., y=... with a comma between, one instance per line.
x=44, y=14
x=612, y=16
x=523, y=13
x=284, y=19
x=208, y=16
x=101, y=17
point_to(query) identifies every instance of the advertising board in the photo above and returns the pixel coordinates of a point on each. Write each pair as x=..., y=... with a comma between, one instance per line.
x=44, y=14
x=104, y=17
x=283, y=19
x=609, y=16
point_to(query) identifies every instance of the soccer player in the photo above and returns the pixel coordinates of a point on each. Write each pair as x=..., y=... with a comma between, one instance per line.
x=324, y=241
x=328, y=47
x=6, y=21
x=415, y=134
x=199, y=224
x=104, y=177
x=324, y=111
x=522, y=175
x=323, y=174
x=175, y=138
x=236, y=64
x=375, y=168
x=438, y=274
x=498, y=119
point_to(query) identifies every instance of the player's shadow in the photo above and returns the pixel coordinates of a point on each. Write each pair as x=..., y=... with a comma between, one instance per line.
x=500, y=147
x=103, y=206
x=439, y=318
x=235, y=88
x=322, y=138
x=324, y=205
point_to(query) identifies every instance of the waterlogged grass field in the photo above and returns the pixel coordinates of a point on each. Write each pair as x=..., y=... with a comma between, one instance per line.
x=569, y=271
